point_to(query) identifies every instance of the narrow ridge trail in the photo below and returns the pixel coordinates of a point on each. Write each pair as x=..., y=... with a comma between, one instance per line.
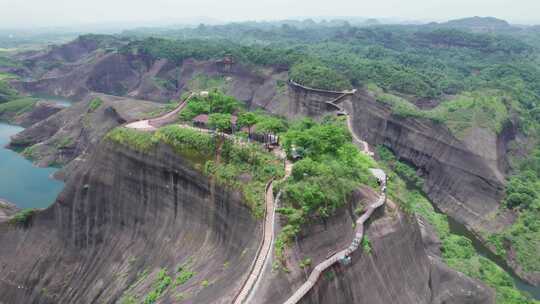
x=359, y=233
x=265, y=249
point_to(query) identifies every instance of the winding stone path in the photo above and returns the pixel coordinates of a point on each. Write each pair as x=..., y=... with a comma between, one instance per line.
x=265, y=249
x=359, y=233
x=154, y=123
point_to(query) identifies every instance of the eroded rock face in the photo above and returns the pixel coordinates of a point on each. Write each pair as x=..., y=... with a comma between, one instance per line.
x=313, y=103
x=462, y=181
x=59, y=72
x=397, y=270
x=71, y=132
x=7, y=209
x=122, y=214
x=41, y=111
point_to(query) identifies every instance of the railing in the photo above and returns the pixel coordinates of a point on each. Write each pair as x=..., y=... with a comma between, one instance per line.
x=321, y=90
x=171, y=116
x=243, y=293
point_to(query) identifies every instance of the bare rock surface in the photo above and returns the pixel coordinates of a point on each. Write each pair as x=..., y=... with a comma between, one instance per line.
x=462, y=180
x=71, y=132
x=7, y=209
x=123, y=215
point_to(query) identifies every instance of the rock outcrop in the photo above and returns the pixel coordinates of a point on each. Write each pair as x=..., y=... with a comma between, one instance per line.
x=71, y=132
x=41, y=111
x=465, y=179
x=7, y=209
x=397, y=270
x=61, y=72
x=121, y=219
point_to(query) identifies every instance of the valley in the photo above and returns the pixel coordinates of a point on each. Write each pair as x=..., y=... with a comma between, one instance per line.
x=210, y=170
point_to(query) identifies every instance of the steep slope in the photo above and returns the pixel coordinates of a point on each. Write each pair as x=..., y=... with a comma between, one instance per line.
x=464, y=178
x=94, y=64
x=121, y=219
x=396, y=270
x=69, y=133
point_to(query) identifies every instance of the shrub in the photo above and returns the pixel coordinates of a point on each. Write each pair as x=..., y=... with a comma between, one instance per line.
x=94, y=104
x=23, y=217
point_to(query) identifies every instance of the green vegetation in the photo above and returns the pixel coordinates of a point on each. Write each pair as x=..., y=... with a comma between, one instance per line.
x=17, y=106
x=23, y=217
x=29, y=152
x=318, y=76
x=141, y=141
x=220, y=121
x=457, y=251
x=64, y=142
x=184, y=273
x=331, y=169
x=523, y=198
x=162, y=109
x=208, y=83
x=366, y=245
x=261, y=122
x=95, y=104
x=459, y=114
x=7, y=93
x=162, y=282
x=246, y=167
x=205, y=283
x=128, y=300
x=215, y=102
x=305, y=263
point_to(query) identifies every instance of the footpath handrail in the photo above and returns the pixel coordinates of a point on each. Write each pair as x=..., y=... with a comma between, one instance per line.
x=170, y=116
x=294, y=83
x=359, y=233
x=257, y=268
x=243, y=292
x=321, y=267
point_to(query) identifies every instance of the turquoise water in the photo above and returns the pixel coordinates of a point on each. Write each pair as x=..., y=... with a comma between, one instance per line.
x=55, y=99
x=22, y=183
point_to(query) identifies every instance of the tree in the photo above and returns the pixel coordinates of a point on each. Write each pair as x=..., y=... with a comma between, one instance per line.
x=247, y=119
x=220, y=121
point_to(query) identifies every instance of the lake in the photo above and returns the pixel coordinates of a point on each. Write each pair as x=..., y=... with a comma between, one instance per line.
x=21, y=182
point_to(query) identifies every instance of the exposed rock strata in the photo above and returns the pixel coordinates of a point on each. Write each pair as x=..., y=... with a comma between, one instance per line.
x=126, y=212
x=7, y=209
x=398, y=269
x=71, y=132
x=460, y=178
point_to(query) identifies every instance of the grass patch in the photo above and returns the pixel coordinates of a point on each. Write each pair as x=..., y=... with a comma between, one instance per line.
x=484, y=109
x=244, y=167
x=366, y=245
x=141, y=141
x=64, y=142
x=17, y=106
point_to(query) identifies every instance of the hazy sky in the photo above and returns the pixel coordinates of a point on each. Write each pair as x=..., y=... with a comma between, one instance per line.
x=30, y=13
